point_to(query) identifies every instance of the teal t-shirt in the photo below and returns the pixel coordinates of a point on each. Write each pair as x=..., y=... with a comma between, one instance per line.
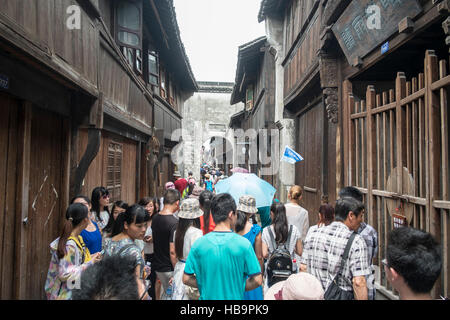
x=221, y=262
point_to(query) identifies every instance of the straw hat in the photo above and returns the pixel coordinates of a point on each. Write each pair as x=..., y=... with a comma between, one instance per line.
x=207, y=176
x=190, y=209
x=299, y=286
x=177, y=174
x=247, y=204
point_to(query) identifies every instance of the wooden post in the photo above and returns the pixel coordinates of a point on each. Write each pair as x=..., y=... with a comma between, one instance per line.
x=351, y=143
x=400, y=93
x=444, y=136
x=433, y=113
x=138, y=170
x=346, y=90
x=371, y=154
x=444, y=161
x=22, y=201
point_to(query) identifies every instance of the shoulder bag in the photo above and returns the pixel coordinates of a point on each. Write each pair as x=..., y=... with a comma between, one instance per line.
x=334, y=292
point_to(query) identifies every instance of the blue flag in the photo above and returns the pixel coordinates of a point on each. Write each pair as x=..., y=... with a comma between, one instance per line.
x=289, y=155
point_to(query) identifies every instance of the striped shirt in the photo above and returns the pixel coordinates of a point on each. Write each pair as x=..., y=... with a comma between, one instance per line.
x=323, y=251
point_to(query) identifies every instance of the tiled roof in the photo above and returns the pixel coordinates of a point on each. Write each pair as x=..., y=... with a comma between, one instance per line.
x=269, y=6
x=248, y=55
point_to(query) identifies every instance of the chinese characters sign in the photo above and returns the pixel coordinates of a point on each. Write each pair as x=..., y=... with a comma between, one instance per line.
x=365, y=24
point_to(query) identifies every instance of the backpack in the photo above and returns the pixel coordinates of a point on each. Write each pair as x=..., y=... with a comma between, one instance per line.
x=185, y=193
x=209, y=185
x=279, y=265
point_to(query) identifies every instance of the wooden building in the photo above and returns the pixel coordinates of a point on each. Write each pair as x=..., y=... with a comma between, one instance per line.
x=83, y=104
x=367, y=84
x=255, y=87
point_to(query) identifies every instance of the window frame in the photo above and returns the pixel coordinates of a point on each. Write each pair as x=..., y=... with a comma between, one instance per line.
x=155, y=54
x=137, y=51
x=118, y=28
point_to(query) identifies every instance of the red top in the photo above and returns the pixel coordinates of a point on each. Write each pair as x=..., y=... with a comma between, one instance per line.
x=181, y=184
x=212, y=225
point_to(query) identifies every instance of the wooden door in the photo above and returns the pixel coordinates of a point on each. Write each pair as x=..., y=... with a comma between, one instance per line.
x=309, y=173
x=396, y=146
x=46, y=212
x=8, y=183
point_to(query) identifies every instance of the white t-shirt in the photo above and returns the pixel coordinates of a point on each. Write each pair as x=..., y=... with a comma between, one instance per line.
x=192, y=234
x=295, y=236
x=298, y=216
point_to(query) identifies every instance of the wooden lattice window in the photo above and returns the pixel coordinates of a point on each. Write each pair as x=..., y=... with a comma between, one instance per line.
x=114, y=171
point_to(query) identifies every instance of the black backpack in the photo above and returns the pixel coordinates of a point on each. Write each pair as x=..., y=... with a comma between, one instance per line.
x=279, y=265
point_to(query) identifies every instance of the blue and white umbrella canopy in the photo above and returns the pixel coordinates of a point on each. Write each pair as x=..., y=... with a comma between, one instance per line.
x=240, y=184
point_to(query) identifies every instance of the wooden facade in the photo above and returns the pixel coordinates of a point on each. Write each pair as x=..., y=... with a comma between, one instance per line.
x=371, y=110
x=255, y=87
x=80, y=109
x=398, y=155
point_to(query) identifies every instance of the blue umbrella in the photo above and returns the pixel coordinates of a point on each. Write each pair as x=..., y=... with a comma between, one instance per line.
x=240, y=184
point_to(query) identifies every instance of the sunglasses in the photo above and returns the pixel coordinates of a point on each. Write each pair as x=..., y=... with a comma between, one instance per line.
x=106, y=196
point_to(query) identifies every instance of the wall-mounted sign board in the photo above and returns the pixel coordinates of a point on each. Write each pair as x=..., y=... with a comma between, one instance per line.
x=365, y=24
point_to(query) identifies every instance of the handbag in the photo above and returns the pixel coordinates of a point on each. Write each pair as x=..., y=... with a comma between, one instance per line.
x=334, y=292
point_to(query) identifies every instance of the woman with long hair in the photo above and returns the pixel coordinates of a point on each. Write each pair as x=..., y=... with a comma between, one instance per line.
x=69, y=255
x=92, y=235
x=100, y=202
x=118, y=207
x=280, y=232
x=152, y=206
x=129, y=227
x=206, y=220
x=188, y=231
x=246, y=227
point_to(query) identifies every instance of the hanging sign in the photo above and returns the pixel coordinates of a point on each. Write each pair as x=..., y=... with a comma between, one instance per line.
x=398, y=219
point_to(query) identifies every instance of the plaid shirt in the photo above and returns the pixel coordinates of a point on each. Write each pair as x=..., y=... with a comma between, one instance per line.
x=370, y=236
x=323, y=250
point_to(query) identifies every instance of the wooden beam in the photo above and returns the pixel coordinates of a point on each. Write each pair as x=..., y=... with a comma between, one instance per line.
x=158, y=18
x=22, y=204
x=41, y=54
x=93, y=146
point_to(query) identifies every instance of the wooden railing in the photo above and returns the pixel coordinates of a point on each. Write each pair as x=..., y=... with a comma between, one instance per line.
x=397, y=155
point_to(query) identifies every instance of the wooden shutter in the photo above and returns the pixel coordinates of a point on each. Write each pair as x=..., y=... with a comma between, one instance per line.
x=114, y=171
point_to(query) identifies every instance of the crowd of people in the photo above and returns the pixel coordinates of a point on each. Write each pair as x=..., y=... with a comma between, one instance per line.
x=194, y=244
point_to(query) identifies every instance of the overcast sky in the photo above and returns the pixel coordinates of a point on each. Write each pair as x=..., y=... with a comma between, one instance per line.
x=212, y=31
